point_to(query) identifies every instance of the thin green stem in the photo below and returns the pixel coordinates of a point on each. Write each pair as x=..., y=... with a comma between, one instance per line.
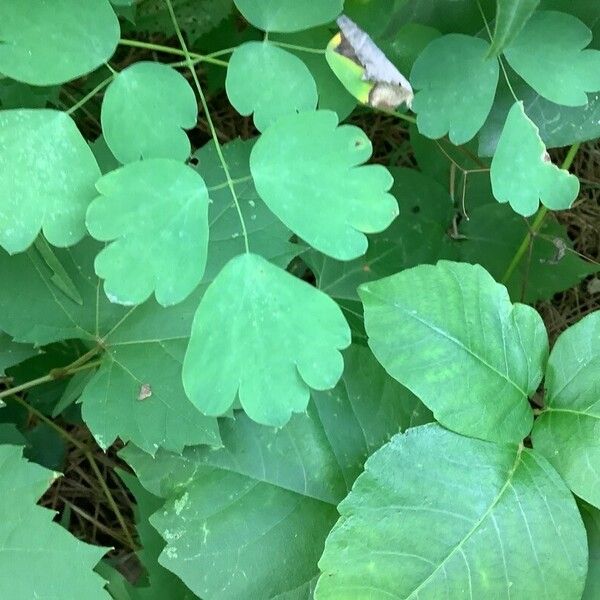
x=537, y=223
x=90, y=94
x=211, y=125
x=209, y=58
x=298, y=48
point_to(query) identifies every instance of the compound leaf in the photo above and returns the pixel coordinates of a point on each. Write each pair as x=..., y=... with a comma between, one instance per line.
x=310, y=174
x=155, y=213
x=47, y=177
x=289, y=15
x=253, y=319
x=250, y=519
x=566, y=432
x=450, y=334
x=139, y=123
x=37, y=556
x=549, y=55
x=269, y=82
x=511, y=17
x=47, y=43
x=522, y=173
x=481, y=511
x=457, y=84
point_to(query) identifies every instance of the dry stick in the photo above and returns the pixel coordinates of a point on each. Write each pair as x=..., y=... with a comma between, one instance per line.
x=537, y=223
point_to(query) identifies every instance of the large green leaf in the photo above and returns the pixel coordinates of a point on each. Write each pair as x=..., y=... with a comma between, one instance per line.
x=289, y=15
x=137, y=392
x=522, y=174
x=450, y=334
x=493, y=235
x=38, y=557
x=511, y=17
x=456, y=85
x=12, y=353
x=566, y=432
x=267, y=235
x=250, y=520
x=254, y=319
x=46, y=43
x=47, y=176
x=155, y=213
x=438, y=515
x=144, y=112
x=269, y=82
x=309, y=172
x=549, y=55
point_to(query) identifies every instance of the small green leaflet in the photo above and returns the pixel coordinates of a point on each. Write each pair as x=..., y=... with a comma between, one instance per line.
x=456, y=84
x=289, y=15
x=511, y=17
x=439, y=515
x=310, y=173
x=522, y=173
x=269, y=82
x=450, y=334
x=47, y=177
x=256, y=318
x=155, y=212
x=47, y=43
x=550, y=55
x=137, y=393
x=139, y=123
x=591, y=520
x=566, y=432
x=249, y=520
x=12, y=353
x=38, y=556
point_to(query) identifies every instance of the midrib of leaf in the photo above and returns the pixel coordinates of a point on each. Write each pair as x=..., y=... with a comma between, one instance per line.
x=479, y=522
x=579, y=413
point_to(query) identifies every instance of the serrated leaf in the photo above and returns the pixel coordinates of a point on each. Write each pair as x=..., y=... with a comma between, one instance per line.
x=37, y=556
x=511, y=17
x=450, y=334
x=456, y=85
x=522, y=173
x=566, y=432
x=269, y=82
x=137, y=392
x=493, y=235
x=256, y=318
x=289, y=15
x=155, y=213
x=250, y=519
x=320, y=189
x=47, y=43
x=47, y=176
x=550, y=55
x=267, y=235
x=139, y=123
x=481, y=511
x=12, y=353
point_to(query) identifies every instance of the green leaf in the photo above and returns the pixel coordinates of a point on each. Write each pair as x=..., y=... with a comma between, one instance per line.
x=139, y=123
x=450, y=334
x=591, y=520
x=256, y=318
x=12, y=353
x=38, y=556
x=269, y=82
x=47, y=176
x=493, y=235
x=310, y=174
x=137, y=393
x=249, y=520
x=457, y=85
x=267, y=235
x=522, y=173
x=549, y=54
x=47, y=43
x=439, y=515
x=155, y=212
x=289, y=15
x=511, y=17
x=566, y=432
